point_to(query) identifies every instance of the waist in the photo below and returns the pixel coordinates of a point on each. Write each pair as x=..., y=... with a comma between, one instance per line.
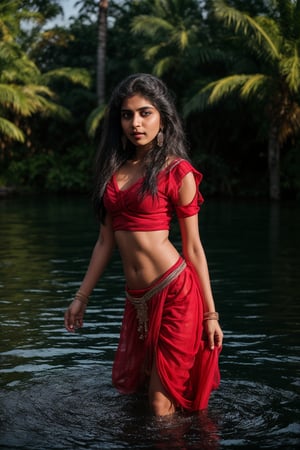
x=159, y=283
x=145, y=256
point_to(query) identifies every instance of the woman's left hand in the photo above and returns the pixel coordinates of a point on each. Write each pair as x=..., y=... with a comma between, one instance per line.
x=214, y=333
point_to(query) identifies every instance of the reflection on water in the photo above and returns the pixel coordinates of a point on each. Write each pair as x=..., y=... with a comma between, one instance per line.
x=78, y=407
x=56, y=388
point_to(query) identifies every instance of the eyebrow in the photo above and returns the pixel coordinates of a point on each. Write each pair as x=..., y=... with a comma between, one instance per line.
x=139, y=109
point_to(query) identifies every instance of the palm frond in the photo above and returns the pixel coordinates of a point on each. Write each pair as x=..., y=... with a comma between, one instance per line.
x=15, y=65
x=254, y=85
x=13, y=98
x=183, y=39
x=94, y=119
x=5, y=32
x=77, y=76
x=164, y=65
x=9, y=51
x=215, y=91
x=33, y=90
x=290, y=68
x=272, y=29
x=49, y=108
x=28, y=71
x=151, y=52
x=226, y=86
x=30, y=99
x=7, y=94
x=150, y=25
x=209, y=54
x=11, y=131
x=246, y=24
x=199, y=102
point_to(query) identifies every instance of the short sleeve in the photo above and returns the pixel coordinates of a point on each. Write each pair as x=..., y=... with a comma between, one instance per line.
x=178, y=170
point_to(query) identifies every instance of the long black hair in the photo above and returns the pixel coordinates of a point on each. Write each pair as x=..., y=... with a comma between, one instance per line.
x=111, y=154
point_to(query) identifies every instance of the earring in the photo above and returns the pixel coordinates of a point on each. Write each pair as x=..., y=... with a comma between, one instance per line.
x=124, y=141
x=160, y=138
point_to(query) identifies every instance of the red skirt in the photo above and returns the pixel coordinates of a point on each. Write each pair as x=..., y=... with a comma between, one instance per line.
x=188, y=369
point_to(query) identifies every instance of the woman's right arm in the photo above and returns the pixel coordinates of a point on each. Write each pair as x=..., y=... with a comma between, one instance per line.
x=100, y=257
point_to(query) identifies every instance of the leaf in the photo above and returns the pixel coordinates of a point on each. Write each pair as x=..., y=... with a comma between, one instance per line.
x=10, y=130
x=246, y=24
x=290, y=68
x=94, y=119
x=77, y=76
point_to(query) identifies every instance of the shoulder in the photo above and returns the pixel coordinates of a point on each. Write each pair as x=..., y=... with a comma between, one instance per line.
x=178, y=168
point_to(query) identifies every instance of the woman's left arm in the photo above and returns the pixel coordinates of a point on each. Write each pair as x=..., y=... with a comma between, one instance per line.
x=194, y=253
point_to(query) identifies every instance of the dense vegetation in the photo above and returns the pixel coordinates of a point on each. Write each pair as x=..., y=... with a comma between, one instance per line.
x=233, y=66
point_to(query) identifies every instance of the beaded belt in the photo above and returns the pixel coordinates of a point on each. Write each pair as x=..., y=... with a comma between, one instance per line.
x=140, y=303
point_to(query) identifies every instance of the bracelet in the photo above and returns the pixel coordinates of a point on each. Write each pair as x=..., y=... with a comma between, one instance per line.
x=81, y=297
x=211, y=315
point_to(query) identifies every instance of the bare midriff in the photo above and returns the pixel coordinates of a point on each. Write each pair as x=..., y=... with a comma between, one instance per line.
x=146, y=256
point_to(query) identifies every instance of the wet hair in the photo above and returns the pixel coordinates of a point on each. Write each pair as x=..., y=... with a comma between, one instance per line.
x=111, y=154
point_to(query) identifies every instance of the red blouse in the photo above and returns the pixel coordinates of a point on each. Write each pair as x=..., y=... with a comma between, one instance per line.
x=131, y=213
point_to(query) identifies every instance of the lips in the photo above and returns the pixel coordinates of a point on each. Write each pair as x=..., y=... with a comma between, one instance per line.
x=137, y=135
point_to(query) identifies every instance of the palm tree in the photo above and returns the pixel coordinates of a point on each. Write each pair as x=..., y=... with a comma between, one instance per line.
x=172, y=27
x=20, y=96
x=101, y=50
x=273, y=42
x=98, y=10
x=24, y=90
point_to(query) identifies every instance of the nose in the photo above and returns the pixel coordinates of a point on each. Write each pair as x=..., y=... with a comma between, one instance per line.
x=136, y=120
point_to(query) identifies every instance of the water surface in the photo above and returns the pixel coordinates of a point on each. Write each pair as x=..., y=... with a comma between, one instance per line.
x=56, y=390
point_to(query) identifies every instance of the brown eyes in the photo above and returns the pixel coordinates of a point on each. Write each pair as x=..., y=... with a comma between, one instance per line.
x=126, y=115
x=129, y=115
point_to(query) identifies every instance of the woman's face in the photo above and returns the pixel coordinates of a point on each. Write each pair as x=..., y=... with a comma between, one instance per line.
x=140, y=121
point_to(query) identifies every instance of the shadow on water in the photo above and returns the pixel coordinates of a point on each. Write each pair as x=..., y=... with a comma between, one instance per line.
x=56, y=388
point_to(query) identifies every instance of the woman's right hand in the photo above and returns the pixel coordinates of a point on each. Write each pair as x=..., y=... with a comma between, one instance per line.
x=74, y=315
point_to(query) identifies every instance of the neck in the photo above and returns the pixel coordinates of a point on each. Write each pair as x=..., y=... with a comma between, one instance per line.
x=141, y=152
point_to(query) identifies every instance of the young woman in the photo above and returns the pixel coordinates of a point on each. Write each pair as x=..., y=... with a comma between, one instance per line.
x=170, y=337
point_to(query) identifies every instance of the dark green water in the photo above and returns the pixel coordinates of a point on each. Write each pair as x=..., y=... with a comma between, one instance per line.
x=56, y=388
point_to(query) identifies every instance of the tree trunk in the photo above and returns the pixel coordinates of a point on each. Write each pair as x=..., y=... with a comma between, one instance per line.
x=101, y=50
x=274, y=164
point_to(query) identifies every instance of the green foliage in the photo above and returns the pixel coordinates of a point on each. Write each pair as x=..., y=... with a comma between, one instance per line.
x=24, y=90
x=232, y=66
x=70, y=171
x=9, y=130
x=32, y=110
x=290, y=69
x=75, y=75
x=94, y=119
x=274, y=86
x=172, y=28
